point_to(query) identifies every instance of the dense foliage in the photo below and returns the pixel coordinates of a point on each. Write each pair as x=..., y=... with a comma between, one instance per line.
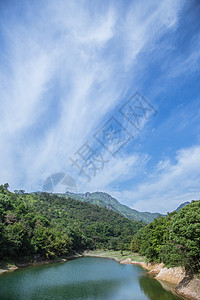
x=105, y=200
x=47, y=225
x=175, y=239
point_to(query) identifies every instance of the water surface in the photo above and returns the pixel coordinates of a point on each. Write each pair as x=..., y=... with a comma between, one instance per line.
x=86, y=278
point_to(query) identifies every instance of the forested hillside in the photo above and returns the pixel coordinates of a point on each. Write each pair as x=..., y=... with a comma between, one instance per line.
x=106, y=200
x=49, y=225
x=174, y=240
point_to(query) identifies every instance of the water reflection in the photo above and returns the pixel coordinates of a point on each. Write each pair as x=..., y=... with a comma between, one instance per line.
x=154, y=291
x=82, y=279
x=96, y=290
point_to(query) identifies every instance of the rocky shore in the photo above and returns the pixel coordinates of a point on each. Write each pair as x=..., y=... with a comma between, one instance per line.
x=186, y=286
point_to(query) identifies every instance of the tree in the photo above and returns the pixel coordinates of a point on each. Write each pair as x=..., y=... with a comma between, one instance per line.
x=114, y=243
x=185, y=233
x=47, y=225
x=175, y=239
x=135, y=246
x=6, y=186
x=21, y=192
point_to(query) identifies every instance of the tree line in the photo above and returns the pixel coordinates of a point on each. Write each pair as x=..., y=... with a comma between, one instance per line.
x=47, y=225
x=174, y=239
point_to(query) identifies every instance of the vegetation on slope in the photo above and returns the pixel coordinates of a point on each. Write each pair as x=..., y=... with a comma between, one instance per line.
x=175, y=239
x=105, y=200
x=47, y=225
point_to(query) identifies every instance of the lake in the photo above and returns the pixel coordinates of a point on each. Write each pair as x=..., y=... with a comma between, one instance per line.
x=85, y=278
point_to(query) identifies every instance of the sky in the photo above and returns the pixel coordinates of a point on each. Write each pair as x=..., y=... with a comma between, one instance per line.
x=106, y=92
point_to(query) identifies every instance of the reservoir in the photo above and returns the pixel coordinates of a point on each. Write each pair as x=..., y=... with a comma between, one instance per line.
x=85, y=278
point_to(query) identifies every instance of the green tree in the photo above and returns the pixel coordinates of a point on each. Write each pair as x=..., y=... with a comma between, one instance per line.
x=6, y=186
x=185, y=233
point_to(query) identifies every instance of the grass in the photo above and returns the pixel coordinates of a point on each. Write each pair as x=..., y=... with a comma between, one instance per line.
x=117, y=255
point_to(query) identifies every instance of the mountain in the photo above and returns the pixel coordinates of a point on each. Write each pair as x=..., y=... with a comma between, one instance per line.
x=105, y=200
x=45, y=225
x=182, y=205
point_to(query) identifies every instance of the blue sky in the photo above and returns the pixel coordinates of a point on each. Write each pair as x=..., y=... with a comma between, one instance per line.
x=66, y=70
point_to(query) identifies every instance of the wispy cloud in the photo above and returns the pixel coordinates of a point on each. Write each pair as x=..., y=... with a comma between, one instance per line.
x=117, y=170
x=65, y=67
x=169, y=185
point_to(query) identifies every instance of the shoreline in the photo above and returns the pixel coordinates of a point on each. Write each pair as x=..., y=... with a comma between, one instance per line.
x=183, y=286
x=17, y=266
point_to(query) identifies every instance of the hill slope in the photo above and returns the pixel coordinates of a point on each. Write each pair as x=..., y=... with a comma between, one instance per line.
x=182, y=205
x=174, y=240
x=47, y=225
x=105, y=200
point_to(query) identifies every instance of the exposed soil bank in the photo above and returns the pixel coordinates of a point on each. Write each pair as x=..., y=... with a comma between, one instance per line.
x=187, y=287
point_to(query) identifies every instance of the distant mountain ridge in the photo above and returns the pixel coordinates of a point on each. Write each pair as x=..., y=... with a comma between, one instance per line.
x=106, y=200
x=182, y=205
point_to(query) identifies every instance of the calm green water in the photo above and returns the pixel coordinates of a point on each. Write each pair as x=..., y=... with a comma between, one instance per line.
x=83, y=278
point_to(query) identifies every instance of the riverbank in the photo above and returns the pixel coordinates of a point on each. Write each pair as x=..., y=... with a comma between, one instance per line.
x=184, y=286
x=12, y=266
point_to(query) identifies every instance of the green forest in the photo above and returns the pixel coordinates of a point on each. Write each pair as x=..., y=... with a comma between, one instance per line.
x=174, y=239
x=47, y=225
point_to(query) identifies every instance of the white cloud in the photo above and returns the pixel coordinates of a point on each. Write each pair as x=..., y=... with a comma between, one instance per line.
x=76, y=61
x=170, y=185
x=186, y=65
x=118, y=169
x=145, y=23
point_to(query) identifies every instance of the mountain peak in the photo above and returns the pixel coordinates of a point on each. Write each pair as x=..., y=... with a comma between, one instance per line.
x=182, y=205
x=105, y=200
